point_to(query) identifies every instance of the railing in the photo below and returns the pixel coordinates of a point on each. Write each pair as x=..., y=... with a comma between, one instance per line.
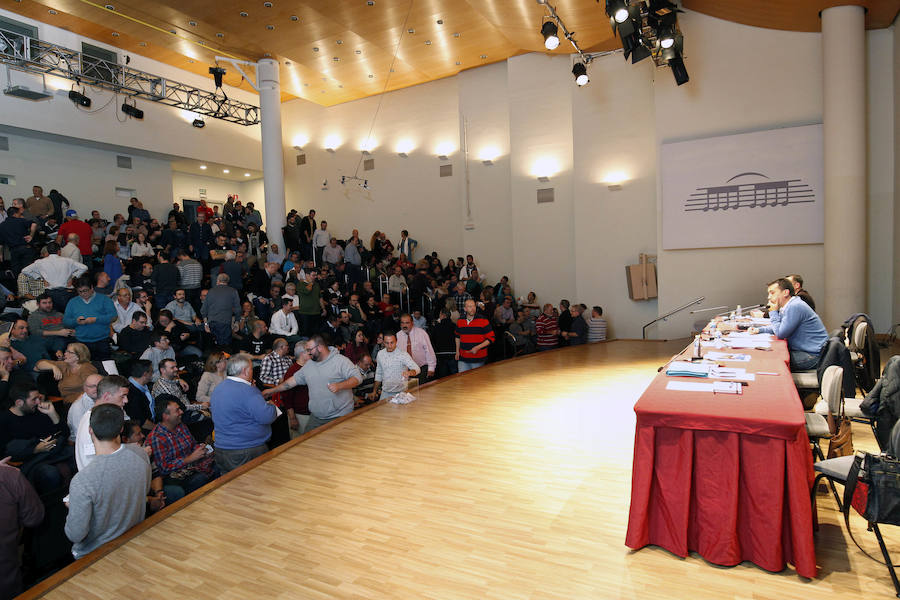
x=666, y=316
x=31, y=55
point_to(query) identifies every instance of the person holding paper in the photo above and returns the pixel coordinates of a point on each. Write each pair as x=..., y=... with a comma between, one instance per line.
x=242, y=416
x=796, y=323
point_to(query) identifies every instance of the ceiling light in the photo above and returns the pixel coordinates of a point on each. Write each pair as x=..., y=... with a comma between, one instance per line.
x=244, y=13
x=202, y=167
x=246, y=174
x=440, y=21
x=295, y=18
x=220, y=34
x=410, y=30
x=667, y=37
x=580, y=73
x=79, y=99
x=192, y=23
x=52, y=12
x=483, y=56
x=217, y=73
x=617, y=10
x=109, y=7
x=339, y=42
x=358, y=51
x=132, y=111
x=270, y=27
x=549, y=30
x=315, y=49
x=199, y=123
x=427, y=42
x=267, y=4
x=370, y=2
x=226, y=171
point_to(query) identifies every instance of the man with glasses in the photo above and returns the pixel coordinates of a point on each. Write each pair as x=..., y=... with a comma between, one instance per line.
x=83, y=405
x=91, y=315
x=330, y=378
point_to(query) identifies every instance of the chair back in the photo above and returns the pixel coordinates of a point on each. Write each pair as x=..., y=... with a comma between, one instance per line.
x=832, y=382
x=858, y=336
x=893, y=447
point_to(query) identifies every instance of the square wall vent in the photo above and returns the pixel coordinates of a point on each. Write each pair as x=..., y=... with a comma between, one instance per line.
x=369, y=164
x=123, y=162
x=545, y=195
x=4, y=143
x=446, y=170
x=301, y=159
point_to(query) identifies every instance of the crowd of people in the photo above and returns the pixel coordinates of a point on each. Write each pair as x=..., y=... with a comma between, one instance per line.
x=140, y=358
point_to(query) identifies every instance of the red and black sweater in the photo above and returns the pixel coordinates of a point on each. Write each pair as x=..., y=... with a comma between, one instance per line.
x=470, y=334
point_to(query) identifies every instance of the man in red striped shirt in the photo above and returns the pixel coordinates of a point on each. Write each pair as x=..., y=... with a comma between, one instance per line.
x=547, y=328
x=473, y=336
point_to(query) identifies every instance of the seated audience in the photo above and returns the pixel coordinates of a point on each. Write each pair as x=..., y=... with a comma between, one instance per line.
x=597, y=325
x=135, y=338
x=71, y=372
x=83, y=404
x=181, y=461
x=276, y=363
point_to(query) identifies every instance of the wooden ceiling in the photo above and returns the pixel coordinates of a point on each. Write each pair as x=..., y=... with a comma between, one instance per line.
x=333, y=51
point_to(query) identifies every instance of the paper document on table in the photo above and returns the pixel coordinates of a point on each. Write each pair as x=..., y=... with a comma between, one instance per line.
x=731, y=373
x=689, y=386
x=728, y=387
x=746, y=343
x=756, y=337
x=728, y=356
x=681, y=368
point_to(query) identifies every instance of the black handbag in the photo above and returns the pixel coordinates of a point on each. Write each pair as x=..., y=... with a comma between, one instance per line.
x=881, y=475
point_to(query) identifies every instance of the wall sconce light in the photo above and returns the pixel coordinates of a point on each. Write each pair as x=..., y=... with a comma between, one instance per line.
x=488, y=154
x=544, y=168
x=543, y=179
x=332, y=143
x=614, y=180
x=444, y=150
x=404, y=147
x=298, y=148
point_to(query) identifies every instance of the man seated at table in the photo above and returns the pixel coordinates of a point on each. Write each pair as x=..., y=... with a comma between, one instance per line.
x=796, y=323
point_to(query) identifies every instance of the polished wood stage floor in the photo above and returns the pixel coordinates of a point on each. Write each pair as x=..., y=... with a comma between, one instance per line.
x=511, y=481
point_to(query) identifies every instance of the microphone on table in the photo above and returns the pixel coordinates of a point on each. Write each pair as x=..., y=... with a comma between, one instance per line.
x=707, y=309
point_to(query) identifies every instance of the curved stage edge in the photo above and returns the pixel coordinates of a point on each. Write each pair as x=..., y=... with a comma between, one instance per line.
x=509, y=481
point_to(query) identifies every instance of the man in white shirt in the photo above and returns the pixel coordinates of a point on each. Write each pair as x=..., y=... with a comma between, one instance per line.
x=125, y=309
x=320, y=239
x=284, y=323
x=112, y=389
x=71, y=249
x=415, y=341
x=56, y=270
x=84, y=404
x=394, y=369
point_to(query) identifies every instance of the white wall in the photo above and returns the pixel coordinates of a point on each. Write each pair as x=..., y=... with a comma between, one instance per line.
x=87, y=177
x=188, y=186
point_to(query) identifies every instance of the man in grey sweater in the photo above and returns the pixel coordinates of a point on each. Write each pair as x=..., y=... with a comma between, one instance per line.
x=221, y=304
x=108, y=497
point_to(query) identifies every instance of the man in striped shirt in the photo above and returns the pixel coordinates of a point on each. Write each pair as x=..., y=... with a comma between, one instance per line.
x=597, y=326
x=473, y=336
x=547, y=328
x=190, y=275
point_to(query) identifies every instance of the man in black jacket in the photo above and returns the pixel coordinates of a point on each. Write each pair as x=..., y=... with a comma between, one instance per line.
x=140, y=400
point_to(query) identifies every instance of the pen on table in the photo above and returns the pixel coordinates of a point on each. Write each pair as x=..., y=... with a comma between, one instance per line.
x=765, y=373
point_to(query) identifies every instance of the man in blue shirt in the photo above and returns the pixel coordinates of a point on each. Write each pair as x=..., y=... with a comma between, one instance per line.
x=90, y=314
x=795, y=322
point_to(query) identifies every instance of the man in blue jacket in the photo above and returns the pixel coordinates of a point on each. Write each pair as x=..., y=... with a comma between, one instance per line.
x=91, y=315
x=242, y=416
x=795, y=322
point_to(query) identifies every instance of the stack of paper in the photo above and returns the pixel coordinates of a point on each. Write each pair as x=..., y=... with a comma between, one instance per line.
x=679, y=368
x=727, y=356
x=731, y=373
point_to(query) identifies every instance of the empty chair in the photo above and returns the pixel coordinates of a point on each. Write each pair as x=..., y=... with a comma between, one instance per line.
x=819, y=426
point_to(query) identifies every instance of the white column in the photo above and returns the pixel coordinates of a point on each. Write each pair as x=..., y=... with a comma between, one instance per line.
x=268, y=79
x=844, y=95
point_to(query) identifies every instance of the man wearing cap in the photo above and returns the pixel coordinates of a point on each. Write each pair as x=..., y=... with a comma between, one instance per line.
x=75, y=225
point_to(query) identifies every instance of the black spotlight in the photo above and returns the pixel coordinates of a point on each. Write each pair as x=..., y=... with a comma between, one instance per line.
x=199, y=123
x=549, y=31
x=640, y=50
x=678, y=69
x=617, y=10
x=132, y=111
x=217, y=73
x=580, y=73
x=79, y=99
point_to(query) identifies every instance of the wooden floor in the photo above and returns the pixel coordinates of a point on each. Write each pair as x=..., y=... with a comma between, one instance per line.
x=511, y=481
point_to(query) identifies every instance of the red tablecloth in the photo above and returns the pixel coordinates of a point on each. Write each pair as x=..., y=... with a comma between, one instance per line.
x=726, y=476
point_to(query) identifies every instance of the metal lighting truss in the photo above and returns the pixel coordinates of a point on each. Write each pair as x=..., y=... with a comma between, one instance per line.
x=30, y=55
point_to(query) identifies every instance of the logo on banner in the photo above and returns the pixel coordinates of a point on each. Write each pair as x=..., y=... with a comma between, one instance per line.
x=750, y=194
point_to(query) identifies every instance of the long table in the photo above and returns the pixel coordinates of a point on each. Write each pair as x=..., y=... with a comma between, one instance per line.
x=726, y=476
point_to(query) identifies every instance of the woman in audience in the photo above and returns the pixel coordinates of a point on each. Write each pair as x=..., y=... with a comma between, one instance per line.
x=112, y=264
x=71, y=371
x=358, y=347
x=213, y=375
x=290, y=291
x=450, y=269
x=141, y=248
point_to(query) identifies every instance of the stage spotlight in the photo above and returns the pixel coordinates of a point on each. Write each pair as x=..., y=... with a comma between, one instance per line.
x=678, y=69
x=549, y=31
x=640, y=50
x=667, y=37
x=132, y=111
x=217, y=73
x=199, y=123
x=580, y=73
x=79, y=99
x=617, y=10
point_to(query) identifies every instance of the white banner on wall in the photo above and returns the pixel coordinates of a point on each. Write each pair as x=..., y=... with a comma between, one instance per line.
x=752, y=189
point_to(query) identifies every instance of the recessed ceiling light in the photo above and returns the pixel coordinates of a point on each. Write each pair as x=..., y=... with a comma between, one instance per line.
x=190, y=60
x=226, y=171
x=336, y=58
x=287, y=63
x=359, y=51
x=192, y=23
x=52, y=12
x=339, y=42
x=410, y=30
x=456, y=34
x=201, y=43
x=315, y=49
x=427, y=42
x=142, y=43
x=267, y=4
x=340, y=86
x=483, y=56
x=370, y=2
x=371, y=76
x=295, y=18
x=440, y=21
x=392, y=70
x=203, y=167
x=246, y=174
x=270, y=27
x=244, y=13
x=115, y=34
x=172, y=31
x=458, y=63
x=220, y=34
x=267, y=55
x=109, y=7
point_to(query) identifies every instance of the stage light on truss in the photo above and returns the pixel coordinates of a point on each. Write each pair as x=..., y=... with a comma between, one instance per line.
x=79, y=99
x=617, y=10
x=679, y=71
x=550, y=32
x=132, y=111
x=579, y=70
x=217, y=73
x=199, y=123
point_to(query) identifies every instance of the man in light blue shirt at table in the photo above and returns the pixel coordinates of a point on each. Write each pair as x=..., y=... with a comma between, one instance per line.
x=796, y=323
